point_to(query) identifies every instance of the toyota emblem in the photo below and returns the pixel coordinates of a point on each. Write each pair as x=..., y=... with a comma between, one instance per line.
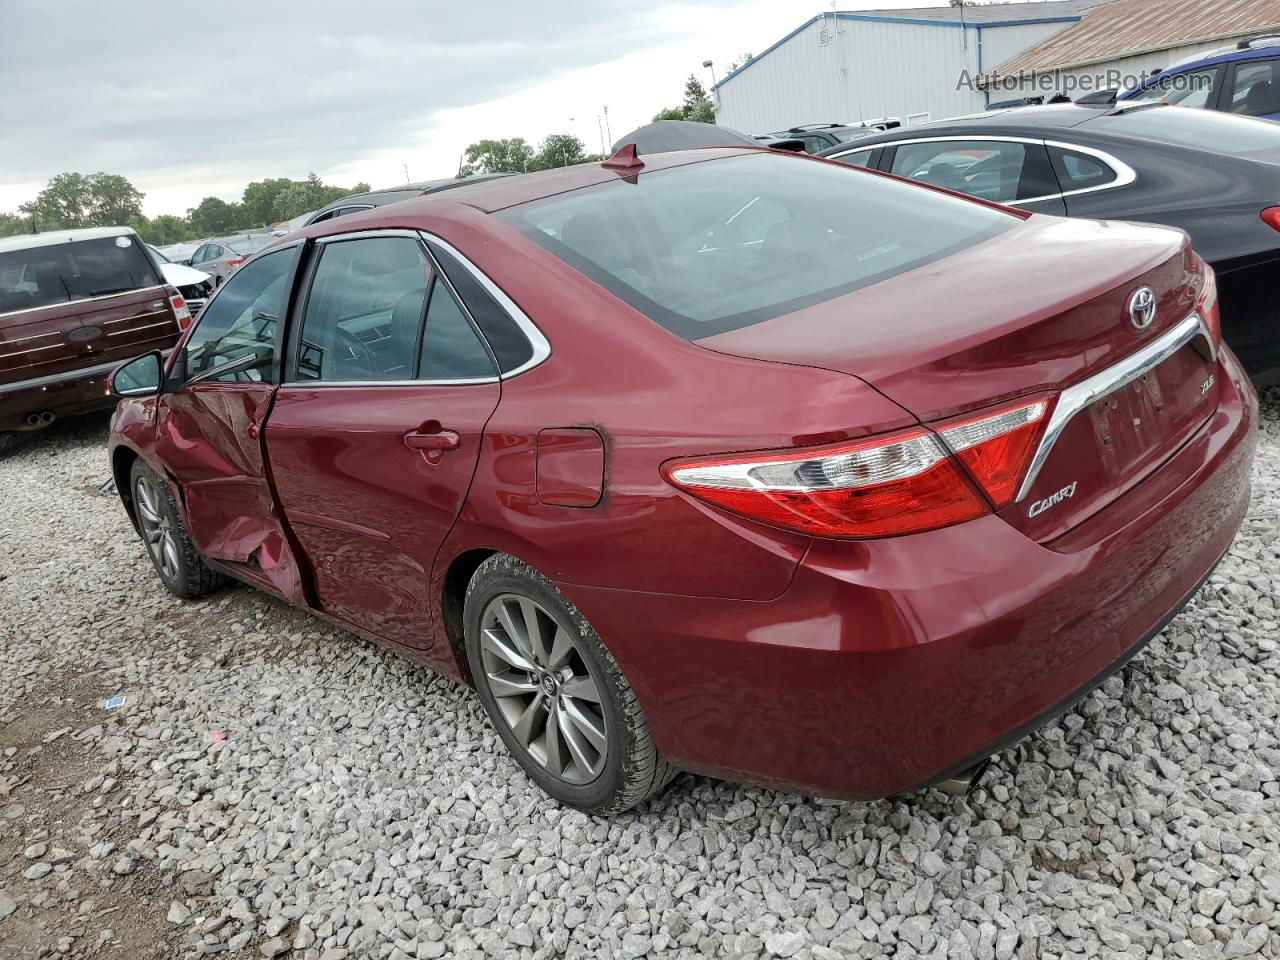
x=1142, y=308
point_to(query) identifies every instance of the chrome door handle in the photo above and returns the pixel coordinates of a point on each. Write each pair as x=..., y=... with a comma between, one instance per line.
x=439, y=440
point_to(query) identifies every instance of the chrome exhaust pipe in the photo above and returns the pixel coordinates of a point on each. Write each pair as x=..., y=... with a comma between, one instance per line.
x=964, y=783
x=38, y=420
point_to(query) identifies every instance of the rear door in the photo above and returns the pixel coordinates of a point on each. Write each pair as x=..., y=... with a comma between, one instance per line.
x=79, y=304
x=375, y=435
x=1003, y=170
x=209, y=429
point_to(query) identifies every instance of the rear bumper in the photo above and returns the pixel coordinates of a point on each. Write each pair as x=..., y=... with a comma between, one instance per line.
x=82, y=390
x=893, y=663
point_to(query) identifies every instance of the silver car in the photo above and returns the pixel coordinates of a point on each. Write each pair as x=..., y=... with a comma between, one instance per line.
x=219, y=258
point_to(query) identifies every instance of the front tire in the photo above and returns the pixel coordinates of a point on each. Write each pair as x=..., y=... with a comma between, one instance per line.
x=174, y=556
x=555, y=694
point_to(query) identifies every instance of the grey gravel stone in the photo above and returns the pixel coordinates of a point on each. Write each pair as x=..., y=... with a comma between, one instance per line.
x=37, y=871
x=356, y=806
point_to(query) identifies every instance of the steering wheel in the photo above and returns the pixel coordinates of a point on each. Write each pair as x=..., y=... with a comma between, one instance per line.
x=353, y=352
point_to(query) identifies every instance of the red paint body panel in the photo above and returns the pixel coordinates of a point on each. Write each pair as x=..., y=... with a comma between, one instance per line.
x=570, y=467
x=852, y=669
x=369, y=511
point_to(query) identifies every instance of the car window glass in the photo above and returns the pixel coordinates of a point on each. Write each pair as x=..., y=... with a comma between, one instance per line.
x=860, y=158
x=364, y=311
x=1201, y=129
x=451, y=348
x=988, y=169
x=1256, y=90
x=663, y=244
x=237, y=329
x=1079, y=171
x=57, y=273
x=1193, y=89
x=198, y=256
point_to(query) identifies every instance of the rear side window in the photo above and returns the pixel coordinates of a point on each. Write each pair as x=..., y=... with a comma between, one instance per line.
x=997, y=170
x=859, y=158
x=451, y=349
x=1079, y=171
x=364, y=311
x=509, y=344
x=668, y=243
x=80, y=270
x=1256, y=90
x=1200, y=129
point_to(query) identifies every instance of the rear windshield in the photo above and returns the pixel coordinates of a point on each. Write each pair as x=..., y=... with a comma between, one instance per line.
x=249, y=244
x=1202, y=129
x=723, y=244
x=79, y=270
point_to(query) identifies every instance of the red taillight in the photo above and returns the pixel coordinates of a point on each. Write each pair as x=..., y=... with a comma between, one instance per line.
x=181, y=312
x=235, y=262
x=996, y=447
x=885, y=486
x=1271, y=217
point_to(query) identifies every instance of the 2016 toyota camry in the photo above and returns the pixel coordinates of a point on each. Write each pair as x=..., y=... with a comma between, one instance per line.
x=721, y=460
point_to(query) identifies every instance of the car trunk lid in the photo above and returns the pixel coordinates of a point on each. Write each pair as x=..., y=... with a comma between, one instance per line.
x=1010, y=327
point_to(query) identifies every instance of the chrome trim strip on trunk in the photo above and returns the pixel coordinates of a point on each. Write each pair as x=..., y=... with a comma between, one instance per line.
x=1076, y=398
x=72, y=303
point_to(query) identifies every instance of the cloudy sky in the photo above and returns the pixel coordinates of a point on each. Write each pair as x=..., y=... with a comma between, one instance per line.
x=194, y=99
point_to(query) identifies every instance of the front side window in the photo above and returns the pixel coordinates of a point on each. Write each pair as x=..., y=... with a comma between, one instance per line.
x=234, y=339
x=364, y=311
x=43, y=276
x=1194, y=89
x=1256, y=90
x=667, y=245
x=992, y=170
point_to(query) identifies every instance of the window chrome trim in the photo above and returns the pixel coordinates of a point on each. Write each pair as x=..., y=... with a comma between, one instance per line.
x=540, y=346
x=1077, y=398
x=72, y=303
x=1125, y=174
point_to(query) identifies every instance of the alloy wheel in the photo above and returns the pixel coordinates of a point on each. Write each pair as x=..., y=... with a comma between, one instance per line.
x=157, y=528
x=544, y=688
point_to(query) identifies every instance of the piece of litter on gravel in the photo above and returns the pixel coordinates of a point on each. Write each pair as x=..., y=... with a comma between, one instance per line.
x=116, y=701
x=108, y=487
x=217, y=736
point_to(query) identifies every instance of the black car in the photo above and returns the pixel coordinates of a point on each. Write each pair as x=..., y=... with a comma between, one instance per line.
x=1214, y=175
x=821, y=136
x=380, y=198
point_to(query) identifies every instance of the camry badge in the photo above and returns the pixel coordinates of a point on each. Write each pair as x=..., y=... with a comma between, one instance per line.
x=1142, y=308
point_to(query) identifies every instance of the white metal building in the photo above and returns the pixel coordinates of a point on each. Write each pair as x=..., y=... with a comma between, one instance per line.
x=921, y=64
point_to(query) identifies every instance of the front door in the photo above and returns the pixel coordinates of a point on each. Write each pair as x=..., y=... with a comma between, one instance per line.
x=209, y=429
x=374, y=437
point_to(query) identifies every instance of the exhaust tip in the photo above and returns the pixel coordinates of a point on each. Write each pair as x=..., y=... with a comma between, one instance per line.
x=38, y=420
x=962, y=784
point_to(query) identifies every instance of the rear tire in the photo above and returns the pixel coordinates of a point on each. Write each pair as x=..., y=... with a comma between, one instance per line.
x=539, y=687
x=177, y=562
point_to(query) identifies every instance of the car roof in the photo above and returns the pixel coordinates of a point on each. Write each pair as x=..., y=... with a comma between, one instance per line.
x=28, y=240
x=1264, y=51
x=385, y=195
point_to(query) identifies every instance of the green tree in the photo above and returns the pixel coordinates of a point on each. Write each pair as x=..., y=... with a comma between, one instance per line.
x=498, y=156
x=697, y=105
x=212, y=216
x=11, y=224
x=163, y=230
x=670, y=113
x=559, y=150
x=66, y=202
x=258, y=204
x=114, y=201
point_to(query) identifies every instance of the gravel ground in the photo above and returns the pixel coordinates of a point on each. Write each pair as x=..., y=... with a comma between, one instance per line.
x=275, y=787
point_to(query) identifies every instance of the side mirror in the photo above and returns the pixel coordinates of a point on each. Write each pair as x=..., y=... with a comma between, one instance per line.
x=140, y=377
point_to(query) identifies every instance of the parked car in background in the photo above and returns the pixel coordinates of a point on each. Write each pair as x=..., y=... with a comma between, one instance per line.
x=1242, y=79
x=728, y=460
x=73, y=304
x=359, y=202
x=219, y=258
x=820, y=136
x=195, y=286
x=179, y=253
x=1213, y=175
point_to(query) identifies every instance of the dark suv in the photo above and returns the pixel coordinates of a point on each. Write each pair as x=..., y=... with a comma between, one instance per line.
x=73, y=305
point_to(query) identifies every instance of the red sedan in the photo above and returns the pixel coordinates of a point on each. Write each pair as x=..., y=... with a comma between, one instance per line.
x=723, y=460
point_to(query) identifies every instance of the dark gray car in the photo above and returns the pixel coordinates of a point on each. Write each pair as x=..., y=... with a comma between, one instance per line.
x=380, y=198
